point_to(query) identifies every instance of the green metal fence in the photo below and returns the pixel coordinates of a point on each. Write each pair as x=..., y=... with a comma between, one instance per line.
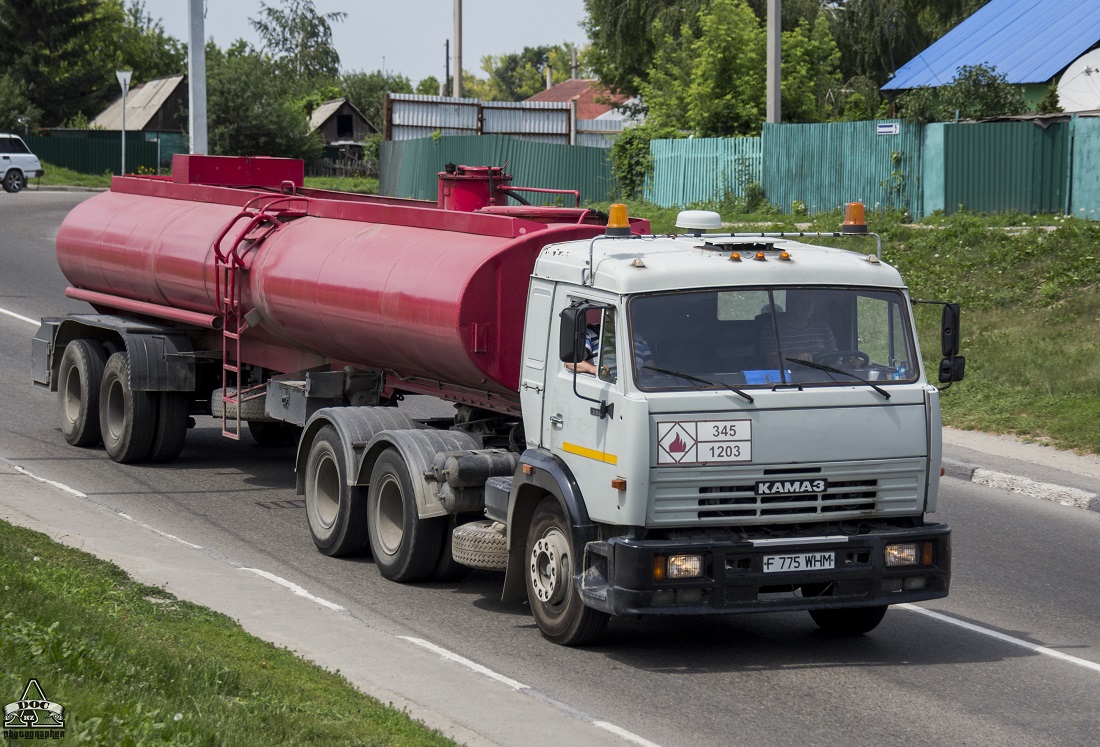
x=409, y=167
x=702, y=169
x=99, y=151
x=821, y=167
x=1085, y=165
x=1002, y=166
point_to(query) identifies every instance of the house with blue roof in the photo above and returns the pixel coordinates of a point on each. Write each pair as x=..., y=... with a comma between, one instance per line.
x=1031, y=42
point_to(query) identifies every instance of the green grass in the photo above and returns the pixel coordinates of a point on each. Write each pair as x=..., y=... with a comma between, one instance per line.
x=133, y=665
x=56, y=176
x=365, y=185
x=1030, y=311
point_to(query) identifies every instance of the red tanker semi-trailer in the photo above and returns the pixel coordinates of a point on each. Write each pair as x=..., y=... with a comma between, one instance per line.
x=686, y=474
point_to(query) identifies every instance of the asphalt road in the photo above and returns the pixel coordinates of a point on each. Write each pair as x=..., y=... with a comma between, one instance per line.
x=1012, y=658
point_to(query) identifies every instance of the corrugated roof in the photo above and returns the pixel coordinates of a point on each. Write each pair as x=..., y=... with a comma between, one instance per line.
x=1027, y=41
x=592, y=99
x=142, y=104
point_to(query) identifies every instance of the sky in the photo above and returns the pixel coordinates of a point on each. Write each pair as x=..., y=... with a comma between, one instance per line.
x=404, y=36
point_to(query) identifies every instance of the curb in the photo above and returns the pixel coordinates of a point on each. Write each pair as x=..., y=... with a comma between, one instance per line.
x=1046, y=491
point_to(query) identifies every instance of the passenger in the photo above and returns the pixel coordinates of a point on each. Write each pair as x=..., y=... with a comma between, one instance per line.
x=591, y=351
x=800, y=337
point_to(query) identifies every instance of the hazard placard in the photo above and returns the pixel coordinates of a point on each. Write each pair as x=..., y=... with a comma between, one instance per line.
x=698, y=442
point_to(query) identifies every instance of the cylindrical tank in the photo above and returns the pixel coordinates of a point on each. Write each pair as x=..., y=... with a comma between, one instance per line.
x=421, y=291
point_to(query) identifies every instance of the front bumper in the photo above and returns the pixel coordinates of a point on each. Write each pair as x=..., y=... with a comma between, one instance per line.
x=617, y=575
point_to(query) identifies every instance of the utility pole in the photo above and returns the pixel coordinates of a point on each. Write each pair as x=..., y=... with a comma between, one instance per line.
x=456, y=90
x=196, y=78
x=446, y=67
x=775, y=29
x=124, y=81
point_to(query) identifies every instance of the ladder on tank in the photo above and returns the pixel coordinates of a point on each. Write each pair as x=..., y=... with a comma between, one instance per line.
x=230, y=267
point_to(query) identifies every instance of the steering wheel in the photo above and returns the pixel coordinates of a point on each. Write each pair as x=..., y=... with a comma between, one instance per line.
x=843, y=355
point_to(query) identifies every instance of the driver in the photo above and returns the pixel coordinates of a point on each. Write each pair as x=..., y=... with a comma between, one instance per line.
x=800, y=337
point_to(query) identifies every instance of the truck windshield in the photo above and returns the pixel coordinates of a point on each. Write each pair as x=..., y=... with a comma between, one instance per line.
x=710, y=339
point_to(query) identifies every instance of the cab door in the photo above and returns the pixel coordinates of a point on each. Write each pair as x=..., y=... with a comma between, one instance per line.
x=583, y=410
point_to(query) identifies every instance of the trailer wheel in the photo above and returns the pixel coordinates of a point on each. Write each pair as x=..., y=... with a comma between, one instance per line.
x=849, y=621
x=554, y=598
x=127, y=418
x=78, y=380
x=173, y=409
x=336, y=511
x=405, y=548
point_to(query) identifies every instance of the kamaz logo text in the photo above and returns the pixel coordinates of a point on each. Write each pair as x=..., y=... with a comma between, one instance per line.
x=789, y=487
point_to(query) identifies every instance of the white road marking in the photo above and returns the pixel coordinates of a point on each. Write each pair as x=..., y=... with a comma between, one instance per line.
x=51, y=483
x=295, y=588
x=451, y=656
x=20, y=317
x=1003, y=637
x=520, y=687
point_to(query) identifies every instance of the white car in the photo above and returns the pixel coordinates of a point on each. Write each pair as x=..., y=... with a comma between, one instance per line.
x=17, y=163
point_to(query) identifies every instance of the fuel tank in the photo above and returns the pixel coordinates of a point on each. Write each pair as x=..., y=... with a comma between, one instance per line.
x=378, y=283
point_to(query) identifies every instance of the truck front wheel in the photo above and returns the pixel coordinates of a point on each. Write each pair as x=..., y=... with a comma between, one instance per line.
x=78, y=381
x=127, y=418
x=849, y=621
x=405, y=547
x=551, y=590
x=336, y=511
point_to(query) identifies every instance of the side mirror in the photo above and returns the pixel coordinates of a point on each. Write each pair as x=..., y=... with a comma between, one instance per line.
x=949, y=333
x=571, y=334
x=952, y=369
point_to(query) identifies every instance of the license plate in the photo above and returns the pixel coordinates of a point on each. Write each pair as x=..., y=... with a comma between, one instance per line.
x=802, y=561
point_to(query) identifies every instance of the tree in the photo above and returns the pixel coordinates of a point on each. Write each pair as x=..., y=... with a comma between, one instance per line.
x=520, y=75
x=300, y=39
x=251, y=111
x=17, y=113
x=65, y=52
x=626, y=34
x=428, y=86
x=976, y=92
x=367, y=91
x=50, y=46
x=811, y=72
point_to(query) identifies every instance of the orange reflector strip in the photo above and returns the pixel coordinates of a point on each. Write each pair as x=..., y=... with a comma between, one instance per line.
x=927, y=553
x=658, y=567
x=528, y=469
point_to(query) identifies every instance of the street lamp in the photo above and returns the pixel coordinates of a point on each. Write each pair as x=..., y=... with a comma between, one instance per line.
x=124, y=81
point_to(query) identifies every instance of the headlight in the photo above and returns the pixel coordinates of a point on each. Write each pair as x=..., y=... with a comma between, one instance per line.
x=909, y=553
x=685, y=566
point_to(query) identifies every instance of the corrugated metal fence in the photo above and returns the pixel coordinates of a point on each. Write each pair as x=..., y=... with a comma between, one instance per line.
x=409, y=167
x=703, y=169
x=821, y=167
x=411, y=116
x=99, y=151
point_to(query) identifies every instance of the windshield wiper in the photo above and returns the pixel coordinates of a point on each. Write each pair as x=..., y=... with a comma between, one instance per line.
x=822, y=367
x=689, y=377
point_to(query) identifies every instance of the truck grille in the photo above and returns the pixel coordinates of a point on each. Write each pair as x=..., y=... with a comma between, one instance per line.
x=727, y=495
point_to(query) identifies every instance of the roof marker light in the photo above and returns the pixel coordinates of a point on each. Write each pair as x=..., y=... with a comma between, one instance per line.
x=735, y=257
x=785, y=256
x=618, y=225
x=854, y=220
x=761, y=257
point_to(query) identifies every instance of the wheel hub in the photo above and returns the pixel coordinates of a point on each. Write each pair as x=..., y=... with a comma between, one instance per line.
x=549, y=567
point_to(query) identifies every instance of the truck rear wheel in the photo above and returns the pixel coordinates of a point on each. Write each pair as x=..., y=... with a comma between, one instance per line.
x=555, y=600
x=336, y=511
x=78, y=380
x=127, y=418
x=405, y=547
x=173, y=409
x=849, y=621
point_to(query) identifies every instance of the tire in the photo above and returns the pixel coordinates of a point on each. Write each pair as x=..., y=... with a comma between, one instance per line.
x=447, y=568
x=336, y=511
x=127, y=419
x=480, y=544
x=14, y=181
x=78, y=380
x=270, y=434
x=173, y=411
x=551, y=589
x=405, y=548
x=849, y=621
